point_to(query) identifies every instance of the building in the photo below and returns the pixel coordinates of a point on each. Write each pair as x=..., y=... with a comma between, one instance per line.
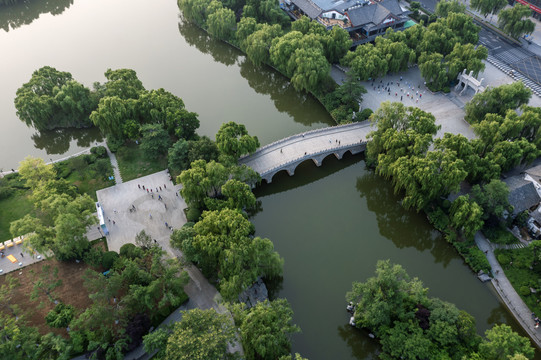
x=363, y=19
x=522, y=194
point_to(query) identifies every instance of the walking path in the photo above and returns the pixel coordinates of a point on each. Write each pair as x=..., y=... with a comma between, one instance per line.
x=507, y=292
x=114, y=164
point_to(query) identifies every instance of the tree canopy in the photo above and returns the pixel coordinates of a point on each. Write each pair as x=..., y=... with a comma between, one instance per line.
x=515, y=21
x=52, y=99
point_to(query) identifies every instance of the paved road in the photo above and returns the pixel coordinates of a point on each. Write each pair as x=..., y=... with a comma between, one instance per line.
x=507, y=293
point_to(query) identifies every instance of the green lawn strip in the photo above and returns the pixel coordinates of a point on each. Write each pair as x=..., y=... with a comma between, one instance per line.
x=13, y=208
x=133, y=164
x=516, y=264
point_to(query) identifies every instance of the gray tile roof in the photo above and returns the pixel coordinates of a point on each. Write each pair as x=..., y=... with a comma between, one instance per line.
x=374, y=13
x=522, y=194
x=534, y=172
x=308, y=7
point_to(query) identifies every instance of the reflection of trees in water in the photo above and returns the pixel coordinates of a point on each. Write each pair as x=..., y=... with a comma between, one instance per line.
x=404, y=228
x=58, y=141
x=301, y=106
x=274, y=286
x=220, y=51
x=362, y=347
x=23, y=13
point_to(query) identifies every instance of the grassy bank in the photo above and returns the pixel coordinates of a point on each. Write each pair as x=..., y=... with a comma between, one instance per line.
x=133, y=164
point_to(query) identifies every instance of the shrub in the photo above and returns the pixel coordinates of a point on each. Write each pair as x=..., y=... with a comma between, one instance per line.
x=114, y=143
x=130, y=251
x=524, y=290
x=60, y=316
x=108, y=259
x=193, y=214
x=99, y=151
x=477, y=260
x=503, y=259
x=94, y=256
x=364, y=114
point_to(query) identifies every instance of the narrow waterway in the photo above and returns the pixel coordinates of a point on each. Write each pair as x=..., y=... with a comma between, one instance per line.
x=331, y=224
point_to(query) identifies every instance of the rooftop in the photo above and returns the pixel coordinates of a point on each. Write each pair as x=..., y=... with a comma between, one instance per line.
x=522, y=194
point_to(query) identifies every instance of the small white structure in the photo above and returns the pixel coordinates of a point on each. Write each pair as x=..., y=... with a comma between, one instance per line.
x=469, y=80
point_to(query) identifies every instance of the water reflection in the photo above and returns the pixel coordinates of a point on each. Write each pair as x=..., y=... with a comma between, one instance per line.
x=302, y=107
x=362, y=347
x=220, y=51
x=58, y=141
x=393, y=220
x=23, y=13
x=307, y=172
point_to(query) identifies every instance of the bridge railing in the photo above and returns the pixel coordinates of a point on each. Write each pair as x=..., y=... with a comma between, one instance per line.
x=310, y=156
x=310, y=132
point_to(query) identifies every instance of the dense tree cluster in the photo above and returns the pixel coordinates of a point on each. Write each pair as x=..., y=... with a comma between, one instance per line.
x=515, y=21
x=63, y=215
x=410, y=325
x=442, y=50
x=52, y=99
x=137, y=290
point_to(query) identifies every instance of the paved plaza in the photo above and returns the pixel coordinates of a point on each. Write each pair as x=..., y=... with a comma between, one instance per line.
x=150, y=213
x=22, y=256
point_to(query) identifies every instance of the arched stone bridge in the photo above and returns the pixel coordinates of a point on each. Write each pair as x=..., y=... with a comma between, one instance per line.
x=288, y=153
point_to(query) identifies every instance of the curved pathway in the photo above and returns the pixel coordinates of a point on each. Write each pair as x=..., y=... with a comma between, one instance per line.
x=316, y=145
x=507, y=292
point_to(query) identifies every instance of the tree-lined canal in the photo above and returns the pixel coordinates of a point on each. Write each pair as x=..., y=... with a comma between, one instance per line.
x=331, y=224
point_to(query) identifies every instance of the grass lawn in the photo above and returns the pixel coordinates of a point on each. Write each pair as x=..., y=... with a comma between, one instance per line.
x=132, y=163
x=13, y=208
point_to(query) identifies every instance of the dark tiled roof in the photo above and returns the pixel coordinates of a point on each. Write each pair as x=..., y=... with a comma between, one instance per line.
x=534, y=172
x=374, y=13
x=522, y=194
x=308, y=7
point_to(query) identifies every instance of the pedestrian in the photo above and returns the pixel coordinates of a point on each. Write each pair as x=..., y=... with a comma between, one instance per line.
x=160, y=188
x=165, y=187
x=159, y=197
x=305, y=153
x=109, y=219
x=147, y=190
x=165, y=206
x=22, y=255
x=395, y=94
x=155, y=242
x=150, y=216
x=400, y=97
x=139, y=186
x=401, y=78
x=338, y=142
x=421, y=96
x=281, y=151
x=166, y=225
x=114, y=223
x=176, y=193
x=144, y=187
x=133, y=207
x=156, y=189
x=150, y=190
x=152, y=195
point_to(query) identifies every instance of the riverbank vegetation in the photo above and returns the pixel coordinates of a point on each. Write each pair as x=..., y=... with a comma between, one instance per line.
x=411, y=325
x=399, y=151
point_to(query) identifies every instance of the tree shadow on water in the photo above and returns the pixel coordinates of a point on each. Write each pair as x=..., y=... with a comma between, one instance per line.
x=299, y=105
x=58, y=141
x=405, y=228
x=219, y=50
x=362, y=346
x=25, y=12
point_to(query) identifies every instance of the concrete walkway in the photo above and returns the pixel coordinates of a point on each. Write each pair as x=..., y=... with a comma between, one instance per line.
x=507, y=292
x=114, y=164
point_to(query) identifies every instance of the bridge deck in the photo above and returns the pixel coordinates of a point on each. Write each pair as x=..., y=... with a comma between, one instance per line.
x=304, y=145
